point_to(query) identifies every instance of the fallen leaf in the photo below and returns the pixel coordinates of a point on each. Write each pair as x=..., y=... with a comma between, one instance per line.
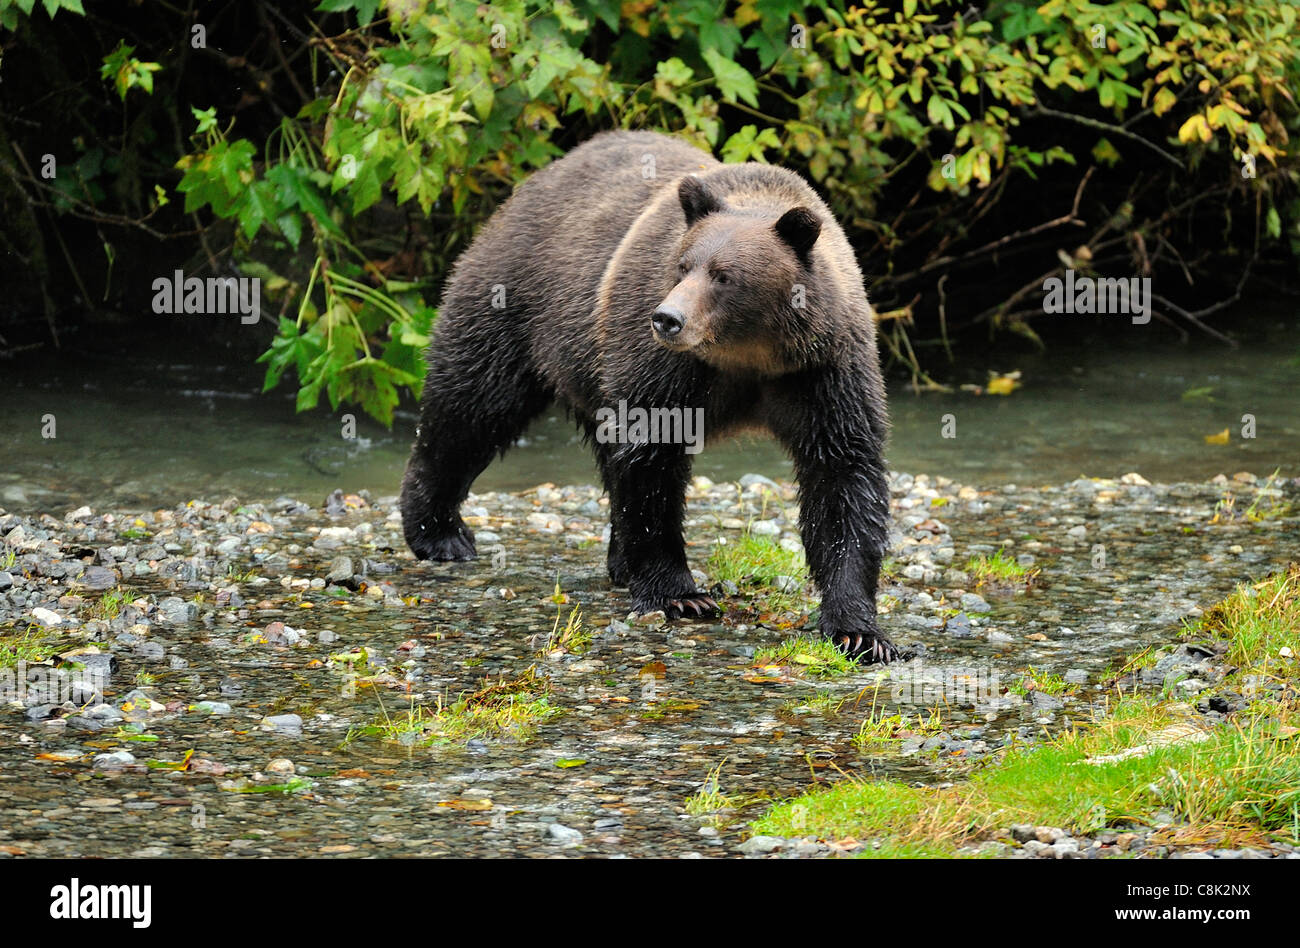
x=1003, y=384
x=566, y=762
x=1220, y=438
x=478, y=804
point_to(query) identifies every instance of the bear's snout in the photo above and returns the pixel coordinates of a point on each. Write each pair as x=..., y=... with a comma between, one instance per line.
x=668, y=321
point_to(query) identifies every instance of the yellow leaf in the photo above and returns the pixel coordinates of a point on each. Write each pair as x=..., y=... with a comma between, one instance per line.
x=1003, y=384
x=1164, y=101
x=1220, y=438
x=1194, y=129
x=479, y=804
x=746, y=13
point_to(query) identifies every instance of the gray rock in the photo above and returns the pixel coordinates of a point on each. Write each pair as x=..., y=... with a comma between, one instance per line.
x=974, y=602
x=176, y=611
x=959, y=626
x=150, y=651
x=759, y=845
x=565, y=835
x=340, y=570
x=117, y=760
x=97, y=578
x=284, y=723
x=1045, y=702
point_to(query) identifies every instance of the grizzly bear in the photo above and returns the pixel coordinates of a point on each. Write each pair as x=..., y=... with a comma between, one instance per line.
x=638, y=271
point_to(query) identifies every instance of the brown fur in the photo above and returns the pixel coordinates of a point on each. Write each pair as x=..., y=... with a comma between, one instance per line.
x=588, y=251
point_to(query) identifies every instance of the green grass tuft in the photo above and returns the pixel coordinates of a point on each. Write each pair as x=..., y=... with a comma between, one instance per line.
x=999, y=568
x=812, y=655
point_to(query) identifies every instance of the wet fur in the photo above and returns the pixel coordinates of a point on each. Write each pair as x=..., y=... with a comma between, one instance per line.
x=586, y=250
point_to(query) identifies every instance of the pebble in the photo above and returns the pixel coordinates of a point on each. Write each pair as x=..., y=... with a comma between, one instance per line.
x=564, y=835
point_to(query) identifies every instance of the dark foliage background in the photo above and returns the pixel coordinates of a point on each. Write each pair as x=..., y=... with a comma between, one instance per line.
x=345, y=152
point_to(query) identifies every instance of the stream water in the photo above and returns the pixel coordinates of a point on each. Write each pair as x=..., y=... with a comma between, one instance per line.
x=138, y=429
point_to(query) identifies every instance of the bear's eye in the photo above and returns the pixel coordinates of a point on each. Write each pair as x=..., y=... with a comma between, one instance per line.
x=722, y=277
x=682, y=267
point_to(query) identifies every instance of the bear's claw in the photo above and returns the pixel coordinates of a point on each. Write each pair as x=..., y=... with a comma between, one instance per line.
x=692, y=606
x=871, y=648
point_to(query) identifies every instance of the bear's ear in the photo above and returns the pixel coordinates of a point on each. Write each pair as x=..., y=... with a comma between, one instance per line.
x=799, y=228
x=697, y=200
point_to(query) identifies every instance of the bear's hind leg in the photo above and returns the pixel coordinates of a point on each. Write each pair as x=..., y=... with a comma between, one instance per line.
x=476, y=403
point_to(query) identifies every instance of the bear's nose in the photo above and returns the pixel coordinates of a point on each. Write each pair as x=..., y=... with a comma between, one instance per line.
x=668, y=320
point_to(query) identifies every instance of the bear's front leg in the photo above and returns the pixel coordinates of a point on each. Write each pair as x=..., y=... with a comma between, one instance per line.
x=833, y=425
x=646, y=508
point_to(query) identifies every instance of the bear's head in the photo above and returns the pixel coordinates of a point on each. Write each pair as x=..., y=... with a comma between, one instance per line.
x=736, y=298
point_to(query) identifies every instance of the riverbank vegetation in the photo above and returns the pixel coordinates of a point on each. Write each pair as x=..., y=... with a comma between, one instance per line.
x=1147, y=762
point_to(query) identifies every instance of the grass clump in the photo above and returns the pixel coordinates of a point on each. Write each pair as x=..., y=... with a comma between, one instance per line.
x=762, y=568
x=999, y=569
x=823, y=702
x=710, y=798
x=813, y=656
x=112, y=603
x=1260, y=623
x=719, y=808
x=880, y=729
x=1033, y=679
x=503, y=709
x=34, y=643
x=573, y=637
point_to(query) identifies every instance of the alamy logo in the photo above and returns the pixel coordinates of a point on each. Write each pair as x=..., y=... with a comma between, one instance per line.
x=1099, y=295
x=44, y=684
x=103, y=901
x=651, y=426
x=214, y=296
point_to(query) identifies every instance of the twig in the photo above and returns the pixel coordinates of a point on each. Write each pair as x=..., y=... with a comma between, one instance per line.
x=1043, y=111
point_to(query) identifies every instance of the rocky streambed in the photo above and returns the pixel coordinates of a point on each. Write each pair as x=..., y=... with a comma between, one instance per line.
x=254, y=679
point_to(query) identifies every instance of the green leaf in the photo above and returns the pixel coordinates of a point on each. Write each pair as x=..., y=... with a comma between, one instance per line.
x=732, y=79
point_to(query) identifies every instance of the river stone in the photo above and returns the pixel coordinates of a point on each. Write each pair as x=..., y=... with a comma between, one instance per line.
x=1045, y=702
x=760, y=845
x=176, y=611
x=47, y=618
x=118, y=760
x=97, y=578
x=566, y=835
x=284, y=723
